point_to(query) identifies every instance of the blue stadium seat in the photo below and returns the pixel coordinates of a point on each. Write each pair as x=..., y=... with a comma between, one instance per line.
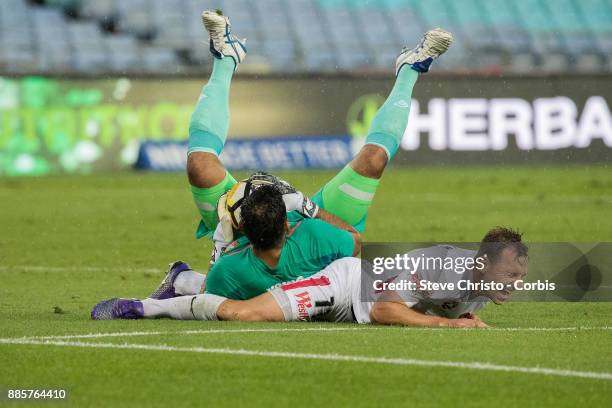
x=305, y=35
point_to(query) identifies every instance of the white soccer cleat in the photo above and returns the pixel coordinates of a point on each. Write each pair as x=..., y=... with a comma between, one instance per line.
x=222, y=41
x=433, y=44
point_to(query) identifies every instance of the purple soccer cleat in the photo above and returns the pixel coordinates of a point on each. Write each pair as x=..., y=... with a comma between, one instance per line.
x=118, y=309
x=165, y=290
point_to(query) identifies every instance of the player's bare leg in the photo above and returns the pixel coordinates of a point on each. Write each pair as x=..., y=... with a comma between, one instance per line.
x=370, y=162
x=205, y=170
x=350, y=194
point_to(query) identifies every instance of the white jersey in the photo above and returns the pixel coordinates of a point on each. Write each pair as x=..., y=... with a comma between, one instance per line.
x=450, y=303
x=327, y=295
x=336, y=292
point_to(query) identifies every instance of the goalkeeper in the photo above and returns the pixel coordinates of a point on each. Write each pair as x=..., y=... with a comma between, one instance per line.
x=350, y=193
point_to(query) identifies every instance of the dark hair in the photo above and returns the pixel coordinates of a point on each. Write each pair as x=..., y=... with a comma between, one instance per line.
x=500, y=238
x=263, y=217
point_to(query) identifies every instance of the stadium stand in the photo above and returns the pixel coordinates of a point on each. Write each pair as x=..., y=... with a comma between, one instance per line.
x=165, y=36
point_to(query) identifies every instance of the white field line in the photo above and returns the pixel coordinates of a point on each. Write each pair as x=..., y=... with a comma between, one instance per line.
x=187, y=332
x=323, y=357
x=546, y=329
x=304, y=329
x=555, y=198
x=41, y=268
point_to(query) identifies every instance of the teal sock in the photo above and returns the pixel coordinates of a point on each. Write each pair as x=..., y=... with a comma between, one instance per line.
x=390, y=121
x=210, y=119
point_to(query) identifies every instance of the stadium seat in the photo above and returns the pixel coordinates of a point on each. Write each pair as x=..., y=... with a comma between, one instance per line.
x=407, y=25
x=382, y=41
x=123, y=53
x=314, y=50
x=308, y=35
x=479, y=34
x=346, y=38
x=135, y=17
x=159, y=60
x=98, y=9
x=169, y=22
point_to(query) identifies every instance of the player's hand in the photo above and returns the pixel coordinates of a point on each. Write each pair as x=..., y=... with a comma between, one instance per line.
x=462, y=323
x=296, y=200
x=280, y=184
x=478, y=322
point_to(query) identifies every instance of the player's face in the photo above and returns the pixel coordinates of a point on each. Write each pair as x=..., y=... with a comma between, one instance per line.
x=507, y=269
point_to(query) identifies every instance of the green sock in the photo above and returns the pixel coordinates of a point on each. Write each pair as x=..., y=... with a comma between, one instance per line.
x=210, y=119
x=206, y=200
x=391, y=119
x=349, y=196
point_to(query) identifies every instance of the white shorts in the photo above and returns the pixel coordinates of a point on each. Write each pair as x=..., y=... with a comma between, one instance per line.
x=329, y=295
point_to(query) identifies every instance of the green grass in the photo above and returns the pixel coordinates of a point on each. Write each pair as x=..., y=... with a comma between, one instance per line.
x=68, y=242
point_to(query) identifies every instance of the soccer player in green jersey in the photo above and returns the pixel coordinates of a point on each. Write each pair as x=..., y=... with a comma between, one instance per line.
x=347, y=196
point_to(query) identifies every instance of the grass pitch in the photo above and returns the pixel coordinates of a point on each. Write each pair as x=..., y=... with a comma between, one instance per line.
x=68, y=242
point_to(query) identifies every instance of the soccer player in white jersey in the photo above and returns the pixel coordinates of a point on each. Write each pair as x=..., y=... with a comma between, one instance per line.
x=342, y=291
x=337, y=292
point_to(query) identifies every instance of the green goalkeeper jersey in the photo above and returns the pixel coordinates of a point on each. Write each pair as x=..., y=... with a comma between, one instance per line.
x=310, y=246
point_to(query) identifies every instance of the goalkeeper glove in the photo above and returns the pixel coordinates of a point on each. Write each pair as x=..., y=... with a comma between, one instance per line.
x=297, y=201
x=294, y=200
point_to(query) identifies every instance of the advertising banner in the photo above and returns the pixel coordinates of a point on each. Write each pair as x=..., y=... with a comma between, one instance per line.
x=266, y=153
x=55, y=125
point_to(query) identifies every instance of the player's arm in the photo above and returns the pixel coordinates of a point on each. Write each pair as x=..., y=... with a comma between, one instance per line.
x=336, y=221
x=394, y=311
x=263, y=308
x=297, y=201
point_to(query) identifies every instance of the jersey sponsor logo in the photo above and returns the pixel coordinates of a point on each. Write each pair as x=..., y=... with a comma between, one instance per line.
x=303, y=304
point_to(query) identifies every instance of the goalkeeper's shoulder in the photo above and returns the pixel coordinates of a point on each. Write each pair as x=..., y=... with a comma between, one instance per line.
x=323, y=233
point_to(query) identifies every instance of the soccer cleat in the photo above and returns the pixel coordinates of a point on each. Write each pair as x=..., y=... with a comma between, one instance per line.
x=433, y=44
x=222, y=41
x=165, y=290
x=118, y=309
